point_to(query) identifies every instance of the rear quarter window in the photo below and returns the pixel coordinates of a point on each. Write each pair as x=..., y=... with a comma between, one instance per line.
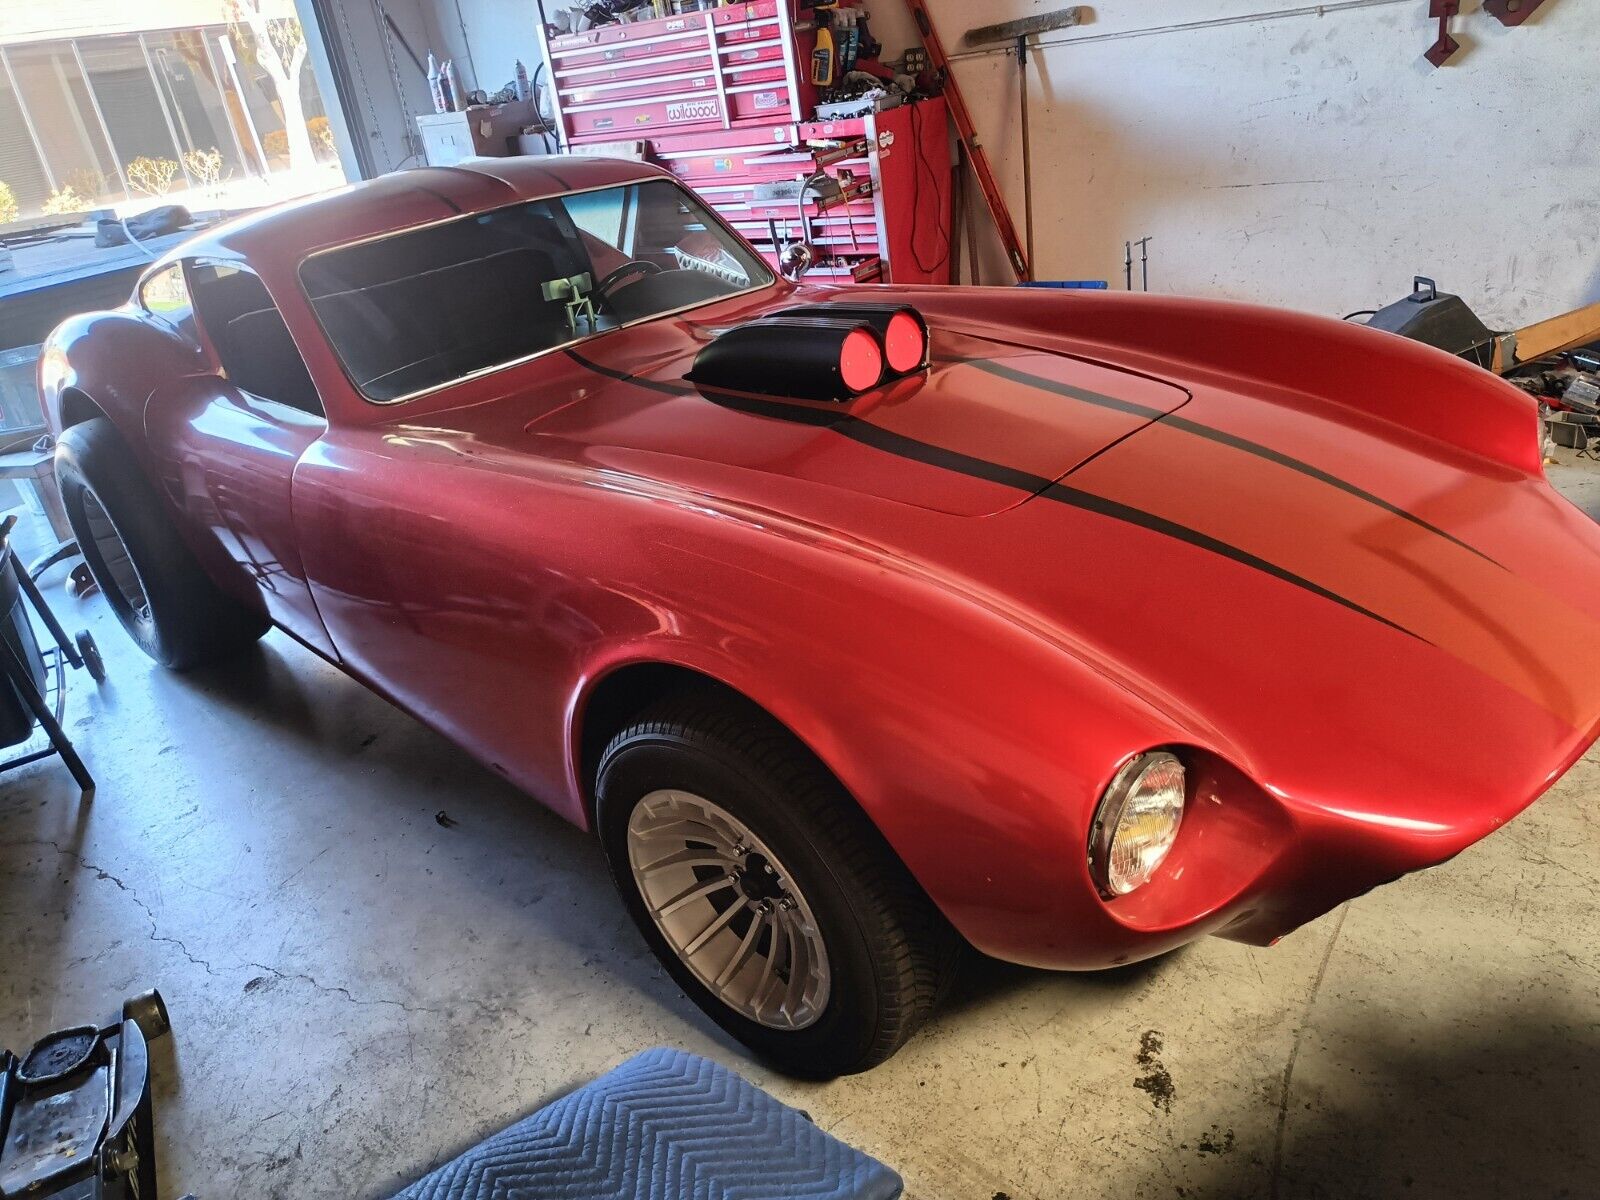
x=166, y=295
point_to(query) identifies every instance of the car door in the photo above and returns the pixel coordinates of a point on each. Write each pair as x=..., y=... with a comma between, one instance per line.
x=227, y=442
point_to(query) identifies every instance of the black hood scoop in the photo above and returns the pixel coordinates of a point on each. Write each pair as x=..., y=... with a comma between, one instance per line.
x=830, y=352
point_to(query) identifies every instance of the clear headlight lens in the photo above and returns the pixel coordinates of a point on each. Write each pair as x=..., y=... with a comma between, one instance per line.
x=1137, y=822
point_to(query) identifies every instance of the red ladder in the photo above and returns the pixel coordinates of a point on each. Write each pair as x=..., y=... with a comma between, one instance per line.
x=969, y=138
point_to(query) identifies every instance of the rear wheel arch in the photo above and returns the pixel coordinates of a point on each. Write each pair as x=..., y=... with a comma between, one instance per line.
x=76, y=406
x=157, y=590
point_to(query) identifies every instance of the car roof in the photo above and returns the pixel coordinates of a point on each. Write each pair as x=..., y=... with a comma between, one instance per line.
x=402, y=199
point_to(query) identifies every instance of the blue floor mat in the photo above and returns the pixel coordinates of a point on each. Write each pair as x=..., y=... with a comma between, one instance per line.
x=665, y=1125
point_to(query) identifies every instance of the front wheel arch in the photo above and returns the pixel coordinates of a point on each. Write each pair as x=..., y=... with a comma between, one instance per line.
x=618, y=696
x=886, y=948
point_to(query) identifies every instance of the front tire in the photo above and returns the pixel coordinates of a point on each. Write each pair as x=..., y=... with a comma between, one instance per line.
x=764, y=890
x=160, y=593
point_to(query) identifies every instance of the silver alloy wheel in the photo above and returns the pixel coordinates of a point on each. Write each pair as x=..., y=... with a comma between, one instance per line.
x=114, y=554
x=729, y=909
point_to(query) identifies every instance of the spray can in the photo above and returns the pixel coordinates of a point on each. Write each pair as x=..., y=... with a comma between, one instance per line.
x=435, y=87
x=452, y=85
x=524, y=92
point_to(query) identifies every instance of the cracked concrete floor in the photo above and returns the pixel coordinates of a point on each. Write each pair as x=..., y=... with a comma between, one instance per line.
x=359, y=991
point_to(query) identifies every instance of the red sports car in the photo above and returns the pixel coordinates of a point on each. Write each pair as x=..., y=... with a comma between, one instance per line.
x=857, y=623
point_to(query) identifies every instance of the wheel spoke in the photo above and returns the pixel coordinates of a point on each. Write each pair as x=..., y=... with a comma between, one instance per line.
x=797, y=972
x=758, y=998
x=683, y=829
x=693, y=892
x=742, y=954
x=718, y=923
x=690, y=856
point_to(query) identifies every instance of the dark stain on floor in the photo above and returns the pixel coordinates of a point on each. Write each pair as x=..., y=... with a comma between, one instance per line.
x=1156, y=1080
x=1218, y=1141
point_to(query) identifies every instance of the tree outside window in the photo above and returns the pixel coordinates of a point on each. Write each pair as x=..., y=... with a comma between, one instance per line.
x=278, y=46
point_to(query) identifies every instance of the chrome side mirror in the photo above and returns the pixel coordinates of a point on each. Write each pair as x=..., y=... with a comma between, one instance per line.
x=795, y=260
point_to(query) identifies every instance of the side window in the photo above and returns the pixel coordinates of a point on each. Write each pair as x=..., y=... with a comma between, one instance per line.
x=251, y=338
x=166, y=295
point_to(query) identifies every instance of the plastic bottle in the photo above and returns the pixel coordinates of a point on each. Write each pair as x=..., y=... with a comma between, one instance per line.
x=523, y=90
x=435, y=86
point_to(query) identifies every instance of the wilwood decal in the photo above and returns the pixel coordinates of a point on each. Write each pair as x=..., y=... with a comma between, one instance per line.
x=694, y=110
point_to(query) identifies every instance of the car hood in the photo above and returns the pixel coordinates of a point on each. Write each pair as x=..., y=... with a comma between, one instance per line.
x=1035, y=414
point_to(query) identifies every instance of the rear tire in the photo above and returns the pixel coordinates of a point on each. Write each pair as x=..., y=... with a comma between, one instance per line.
x=719, y=776
x=160, y=593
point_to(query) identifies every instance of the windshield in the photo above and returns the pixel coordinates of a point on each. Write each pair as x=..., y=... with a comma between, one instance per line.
x=418, y=309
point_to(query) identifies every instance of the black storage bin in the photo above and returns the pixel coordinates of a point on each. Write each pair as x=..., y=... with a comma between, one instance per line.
x=16, y=718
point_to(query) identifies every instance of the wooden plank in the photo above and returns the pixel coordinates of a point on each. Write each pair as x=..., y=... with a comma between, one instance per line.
x=1576, y=328
x=1010, y=31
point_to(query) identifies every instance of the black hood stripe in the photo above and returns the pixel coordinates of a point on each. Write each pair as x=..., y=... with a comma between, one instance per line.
x=1175, y=421
x=1047, y=489
x=1090, y=502
x=905, y=447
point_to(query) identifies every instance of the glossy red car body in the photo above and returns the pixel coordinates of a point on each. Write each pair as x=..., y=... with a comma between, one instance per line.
x=1321, y=560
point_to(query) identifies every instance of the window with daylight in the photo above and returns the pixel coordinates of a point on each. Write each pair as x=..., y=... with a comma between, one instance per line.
x=219, y=111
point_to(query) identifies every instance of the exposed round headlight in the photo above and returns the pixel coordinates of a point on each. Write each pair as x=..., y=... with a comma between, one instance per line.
x=1137, y=822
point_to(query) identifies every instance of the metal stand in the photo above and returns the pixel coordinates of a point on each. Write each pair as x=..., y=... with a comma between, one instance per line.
x=47, y=714
x=46, y=704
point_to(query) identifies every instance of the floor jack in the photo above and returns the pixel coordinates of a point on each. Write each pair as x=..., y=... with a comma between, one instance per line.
x=76, y=1120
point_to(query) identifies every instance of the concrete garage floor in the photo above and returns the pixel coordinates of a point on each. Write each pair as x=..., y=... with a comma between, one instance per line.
x=360, y=990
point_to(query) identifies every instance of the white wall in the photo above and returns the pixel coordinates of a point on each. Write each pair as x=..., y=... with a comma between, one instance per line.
x=486, y=37
x=1311, y=161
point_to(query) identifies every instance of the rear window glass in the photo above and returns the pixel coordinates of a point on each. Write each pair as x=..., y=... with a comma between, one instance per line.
x=420, y=309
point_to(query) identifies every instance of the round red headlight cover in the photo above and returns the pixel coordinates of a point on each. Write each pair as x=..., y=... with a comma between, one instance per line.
x=904, y=343
x=860, y=360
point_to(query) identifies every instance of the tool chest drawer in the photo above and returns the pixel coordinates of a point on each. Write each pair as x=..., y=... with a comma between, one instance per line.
x=760, y=162
x=741, y=64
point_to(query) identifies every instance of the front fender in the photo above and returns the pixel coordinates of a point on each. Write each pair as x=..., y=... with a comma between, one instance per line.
x=488, y=593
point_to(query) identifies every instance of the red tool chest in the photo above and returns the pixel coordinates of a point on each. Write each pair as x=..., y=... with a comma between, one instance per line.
x=723, y=98
x=738, y=65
